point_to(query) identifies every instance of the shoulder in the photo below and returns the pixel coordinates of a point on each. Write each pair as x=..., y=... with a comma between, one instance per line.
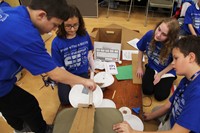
x=57, y=41
x=196, y=83
x=17, y=18
x=148, y=35
x=4, y=4
x=191, y=8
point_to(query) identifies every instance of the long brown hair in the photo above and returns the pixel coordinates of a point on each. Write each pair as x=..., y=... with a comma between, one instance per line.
x=172, y=36
x=73, y=12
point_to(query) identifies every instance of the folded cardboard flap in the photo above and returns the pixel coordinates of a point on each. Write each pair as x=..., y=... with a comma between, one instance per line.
x=106, y=35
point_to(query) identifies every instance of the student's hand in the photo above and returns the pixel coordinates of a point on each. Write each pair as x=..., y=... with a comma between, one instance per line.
x=90, y=84
x=123, y=127
x=139, y=72
x=157, y=78
x=147, y=116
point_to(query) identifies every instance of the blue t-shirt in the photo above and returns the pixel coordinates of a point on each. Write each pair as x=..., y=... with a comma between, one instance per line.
x=185, y=105
x=192, y=16
x=153, y=56
x=21, y=46
x=72, y=54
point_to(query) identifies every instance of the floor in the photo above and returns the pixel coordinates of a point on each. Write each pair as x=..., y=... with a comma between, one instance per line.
x=48, y=98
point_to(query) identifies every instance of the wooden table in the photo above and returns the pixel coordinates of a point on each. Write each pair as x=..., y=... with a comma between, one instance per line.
x=126, y=93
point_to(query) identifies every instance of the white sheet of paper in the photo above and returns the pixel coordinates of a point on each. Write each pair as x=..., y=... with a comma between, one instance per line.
x=110, y=67
x=133, y=42
x=127, y=54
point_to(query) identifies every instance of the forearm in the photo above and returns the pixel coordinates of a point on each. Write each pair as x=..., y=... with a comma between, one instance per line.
x=161, y=111
x=140, y=56
x=63, y=76
x=91, y=60
x=191, y=28
x=167, y=69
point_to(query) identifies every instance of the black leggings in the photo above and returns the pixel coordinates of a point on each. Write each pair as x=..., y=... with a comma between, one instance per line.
x=19, y=106
x=161, y=90
x=64, y=89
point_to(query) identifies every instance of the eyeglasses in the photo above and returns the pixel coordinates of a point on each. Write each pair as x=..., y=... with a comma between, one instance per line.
x=69, y=26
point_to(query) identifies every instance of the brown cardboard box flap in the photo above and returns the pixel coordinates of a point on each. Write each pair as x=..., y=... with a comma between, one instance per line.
x=136, y=80
x=107, y=35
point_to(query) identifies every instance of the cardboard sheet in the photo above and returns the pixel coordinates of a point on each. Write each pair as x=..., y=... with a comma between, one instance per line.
x=103, y=120
x=136, y=80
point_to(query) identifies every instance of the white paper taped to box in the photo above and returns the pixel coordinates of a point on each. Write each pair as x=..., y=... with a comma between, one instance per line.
x=106, y=51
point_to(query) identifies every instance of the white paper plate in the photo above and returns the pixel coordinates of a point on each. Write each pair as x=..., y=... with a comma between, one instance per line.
x=107, y=103
x=134, y=121
x=98, y=64
x=125, y=111
x=106, y=78
x=76, y=96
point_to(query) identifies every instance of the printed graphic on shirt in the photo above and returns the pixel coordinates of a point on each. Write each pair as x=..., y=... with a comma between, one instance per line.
x=196, y=22
x=75, y=56
x=178, y=104
x=154, y=55
x=3, y=16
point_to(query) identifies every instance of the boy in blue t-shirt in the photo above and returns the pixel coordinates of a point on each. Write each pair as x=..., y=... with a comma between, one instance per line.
x=191, y=24
x=21, y=46
x=182, y=107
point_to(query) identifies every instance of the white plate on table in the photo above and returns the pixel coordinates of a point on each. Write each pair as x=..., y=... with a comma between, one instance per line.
x=134, y=121
x=76, y=96
x=103, y=77
x=107, y=103
x=125, y=111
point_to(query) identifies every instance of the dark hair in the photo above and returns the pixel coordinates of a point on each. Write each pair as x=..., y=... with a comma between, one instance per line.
x=172, y=36
x=73, y=12
x=53, y=8
x=189, y=44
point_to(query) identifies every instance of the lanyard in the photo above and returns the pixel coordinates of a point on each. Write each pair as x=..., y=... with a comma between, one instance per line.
x=193, y=76
x=191, y=79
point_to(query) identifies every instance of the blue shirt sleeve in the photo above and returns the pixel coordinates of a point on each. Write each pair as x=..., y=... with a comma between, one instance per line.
x=56, y=54
x=91, y=47
x=188, y=17
x=34, y=58
x=144, y=41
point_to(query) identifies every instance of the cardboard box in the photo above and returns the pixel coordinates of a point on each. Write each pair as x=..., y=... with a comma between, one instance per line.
x=107, y=43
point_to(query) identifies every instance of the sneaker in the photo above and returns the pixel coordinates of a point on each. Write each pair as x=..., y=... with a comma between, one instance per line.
x=49, y=129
